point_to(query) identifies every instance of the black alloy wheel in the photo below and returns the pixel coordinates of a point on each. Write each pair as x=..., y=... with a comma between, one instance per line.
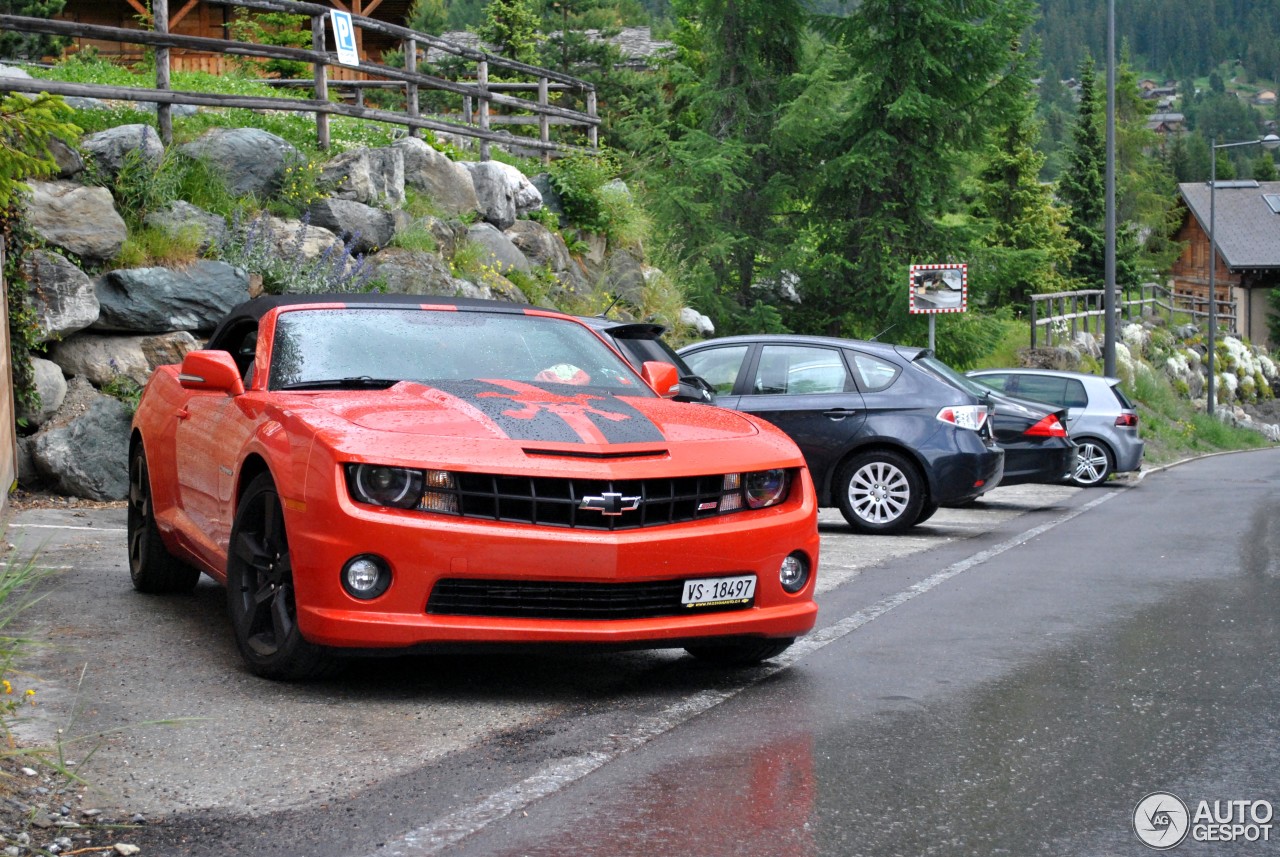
x=260, y=593
x=152, y=568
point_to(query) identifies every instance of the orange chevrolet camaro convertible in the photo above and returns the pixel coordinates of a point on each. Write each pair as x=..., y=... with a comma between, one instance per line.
x=374, y=474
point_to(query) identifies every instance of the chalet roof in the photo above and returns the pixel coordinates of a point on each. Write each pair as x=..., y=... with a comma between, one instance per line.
x=1246, y=226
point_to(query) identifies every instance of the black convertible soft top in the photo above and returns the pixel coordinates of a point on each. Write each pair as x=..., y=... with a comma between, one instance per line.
x=244, y=318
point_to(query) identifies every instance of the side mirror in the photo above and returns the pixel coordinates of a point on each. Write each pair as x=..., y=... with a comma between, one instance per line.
x=212, y=371
x=662, y=377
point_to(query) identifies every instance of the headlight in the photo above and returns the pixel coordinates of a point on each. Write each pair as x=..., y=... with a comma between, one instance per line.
x=379, y=485
x=757, y=490
x=766, y=488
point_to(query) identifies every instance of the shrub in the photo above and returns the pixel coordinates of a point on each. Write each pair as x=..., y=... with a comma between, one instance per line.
x=251, y=246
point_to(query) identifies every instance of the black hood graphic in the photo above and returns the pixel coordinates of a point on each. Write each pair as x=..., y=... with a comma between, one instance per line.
x=554, y=413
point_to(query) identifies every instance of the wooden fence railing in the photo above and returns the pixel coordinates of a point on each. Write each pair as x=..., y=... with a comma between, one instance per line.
x=1063, y=313
x=480, y=104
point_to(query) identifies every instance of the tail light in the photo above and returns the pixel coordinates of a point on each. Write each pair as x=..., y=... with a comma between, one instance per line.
x=970, y=417
x=1127, y=421
x=1050, y=426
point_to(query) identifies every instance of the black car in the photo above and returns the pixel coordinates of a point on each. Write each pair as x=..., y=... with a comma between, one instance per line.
x=1034, y=439
x=890, y=433
x=641, y=341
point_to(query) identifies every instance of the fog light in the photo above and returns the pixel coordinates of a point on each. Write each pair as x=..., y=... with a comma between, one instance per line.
x=794, y=573
x=366, y=576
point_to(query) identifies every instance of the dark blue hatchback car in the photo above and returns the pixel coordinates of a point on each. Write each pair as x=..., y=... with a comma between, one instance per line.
x=890, y=433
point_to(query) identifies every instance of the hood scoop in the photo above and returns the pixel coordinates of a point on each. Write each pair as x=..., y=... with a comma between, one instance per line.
x=597, y=456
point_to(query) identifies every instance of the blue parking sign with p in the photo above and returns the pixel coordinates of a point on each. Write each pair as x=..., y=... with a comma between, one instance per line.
x=344, y=37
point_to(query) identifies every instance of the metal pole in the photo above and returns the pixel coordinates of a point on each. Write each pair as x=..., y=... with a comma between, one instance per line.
x=1109, y=298
x=1213, y=264
x=931, y=330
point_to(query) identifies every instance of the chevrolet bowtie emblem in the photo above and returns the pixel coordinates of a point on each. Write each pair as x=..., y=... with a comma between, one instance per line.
x=610, y=503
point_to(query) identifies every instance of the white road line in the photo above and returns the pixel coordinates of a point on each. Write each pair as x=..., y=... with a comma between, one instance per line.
x=64, y=527
x=435, y=837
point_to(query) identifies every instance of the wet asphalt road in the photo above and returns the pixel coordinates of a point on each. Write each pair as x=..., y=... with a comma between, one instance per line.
x=1012, y=679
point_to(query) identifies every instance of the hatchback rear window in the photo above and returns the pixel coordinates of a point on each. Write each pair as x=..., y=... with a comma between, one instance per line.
x=1122, y=398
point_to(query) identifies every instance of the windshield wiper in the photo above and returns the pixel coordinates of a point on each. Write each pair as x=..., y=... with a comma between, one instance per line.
x=357, y=382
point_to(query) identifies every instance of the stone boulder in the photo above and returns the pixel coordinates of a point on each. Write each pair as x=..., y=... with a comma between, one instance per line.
x=503, y=192
x=51, y=386
x=371, y=176
x=541, y=246
x=550, y=197
x=366, y=227
x=624, y=275
x=180, y=215
x=69, y=161
x=251, y=161
x=61, y=295
x=298, y=242
x=101, y=358
x=81, y=220
x=413, y=272
x=446, y=183
x=698, y=322
x=502, y=254
x=159, y=300
x=108, y=148
x=84, y=450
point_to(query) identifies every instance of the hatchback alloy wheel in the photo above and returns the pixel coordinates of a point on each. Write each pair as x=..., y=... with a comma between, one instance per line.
x=1093, y=464
x=880, y=492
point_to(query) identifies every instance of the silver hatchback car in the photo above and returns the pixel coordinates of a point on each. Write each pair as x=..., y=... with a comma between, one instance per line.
x=1100, y=418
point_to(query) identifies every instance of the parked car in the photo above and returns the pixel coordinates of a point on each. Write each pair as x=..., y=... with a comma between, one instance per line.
x=1100, y=418
x=1033, y=436
x=365, y=473
x=890, y=433
x=642, y=341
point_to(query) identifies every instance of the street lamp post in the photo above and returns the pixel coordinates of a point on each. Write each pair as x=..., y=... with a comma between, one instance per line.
x=1269, y=142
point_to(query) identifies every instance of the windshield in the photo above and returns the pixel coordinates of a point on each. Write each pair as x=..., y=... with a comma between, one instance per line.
x=946, y=373
x=315, y=348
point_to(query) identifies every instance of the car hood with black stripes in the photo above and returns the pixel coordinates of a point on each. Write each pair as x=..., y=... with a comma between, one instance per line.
x=496, y=423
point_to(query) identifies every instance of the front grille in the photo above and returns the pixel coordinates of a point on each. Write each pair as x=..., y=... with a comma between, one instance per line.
x=559, y=502
x=540, y=599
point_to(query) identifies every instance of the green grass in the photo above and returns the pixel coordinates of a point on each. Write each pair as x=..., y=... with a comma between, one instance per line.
x=1173, y=429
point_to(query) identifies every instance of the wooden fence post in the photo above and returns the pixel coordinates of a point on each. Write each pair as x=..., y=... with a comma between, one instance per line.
x=411, y=89
x=321, y=78
x=593, y=130
x=544, y=126
x=482, y=79
x=1033, y=321
x=164, y=111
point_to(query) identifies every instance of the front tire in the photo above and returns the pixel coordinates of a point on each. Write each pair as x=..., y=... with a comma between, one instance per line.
x=740, y=653
x=261, y=601
x=1094, y=463
x=152, y=568
x=880, y=492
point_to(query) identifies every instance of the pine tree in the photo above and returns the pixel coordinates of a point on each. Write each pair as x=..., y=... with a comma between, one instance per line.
x=926, y=81
x=1082, y=186
x=30, y=46
x=720, y=187
x=1025, y=249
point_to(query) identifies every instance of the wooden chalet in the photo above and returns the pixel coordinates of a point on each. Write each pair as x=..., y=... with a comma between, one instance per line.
x=1247, y=229
x=213, y=20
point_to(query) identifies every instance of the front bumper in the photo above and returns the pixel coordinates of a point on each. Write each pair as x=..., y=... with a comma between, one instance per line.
x=422, y=549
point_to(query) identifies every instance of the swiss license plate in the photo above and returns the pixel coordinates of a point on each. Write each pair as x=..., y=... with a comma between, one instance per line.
x=719, y=591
